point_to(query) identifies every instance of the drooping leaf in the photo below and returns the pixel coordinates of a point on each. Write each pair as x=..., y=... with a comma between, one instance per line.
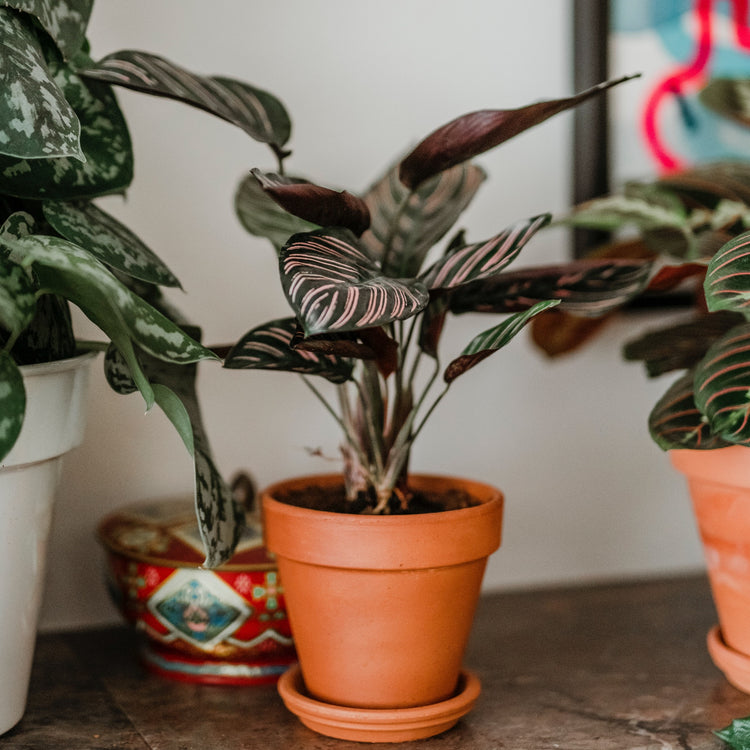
x=64, y=20
x=405, y=225
x=472, y=134
x=670, y=277
x=585, y=287
x=679, y=346
x=722, y=385
x=260, y=114
x=17, y=297
x=105, y=141
x=220, y=519
x=261, y=216
x=333, y=286
x=347, y=345
x=315, y=204
x=482, y=259
x=676, y=422
x=269, y=347
x=556, y=332
x=432, y=323
x=36, y=121
x=108, y=240
x=69, y=271
x=727, y=283
x=12, y=403
x=492, y=340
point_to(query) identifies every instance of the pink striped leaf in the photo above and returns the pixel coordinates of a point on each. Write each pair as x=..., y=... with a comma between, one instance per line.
x=333, y=286
x=676, y=422
x=722, y=385
x=316, y=204
x=727, y=283
x=260, y=114
x=492, y=340
x=585, y=287
x=481, y=260
x=405, y=226
x=271, y=347
x=477, y=132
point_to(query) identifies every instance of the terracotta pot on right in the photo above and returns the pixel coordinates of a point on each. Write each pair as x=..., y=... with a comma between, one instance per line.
x=719, y=484
x=380, y=610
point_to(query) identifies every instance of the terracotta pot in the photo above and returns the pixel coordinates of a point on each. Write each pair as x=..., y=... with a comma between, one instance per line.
x=381, y=607
x=719, y=484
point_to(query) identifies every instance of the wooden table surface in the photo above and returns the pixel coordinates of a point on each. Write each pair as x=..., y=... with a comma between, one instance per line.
x=617, y=666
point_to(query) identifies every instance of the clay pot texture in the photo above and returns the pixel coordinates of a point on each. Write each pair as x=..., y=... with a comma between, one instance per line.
x=719, y=483
x=381, y=607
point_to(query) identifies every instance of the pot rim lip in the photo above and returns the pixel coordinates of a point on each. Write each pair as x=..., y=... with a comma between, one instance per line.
x=356, y=519
x=57, y=365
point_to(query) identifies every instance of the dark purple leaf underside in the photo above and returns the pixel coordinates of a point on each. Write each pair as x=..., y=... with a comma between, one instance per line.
x=257, y=112
x=333, y=286
x=586, y=287
x=727, y=283
x=316, y=204
x=477, y=132
x=269, y=347
x=482, y=259
x=676, y=422
x=722, y=385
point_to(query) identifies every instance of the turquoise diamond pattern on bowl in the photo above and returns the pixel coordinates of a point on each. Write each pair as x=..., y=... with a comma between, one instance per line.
x=199, y=607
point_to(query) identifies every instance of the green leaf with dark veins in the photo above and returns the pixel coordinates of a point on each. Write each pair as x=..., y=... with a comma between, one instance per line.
x=12, y=403
x=64, y=20
x=492, y=340
x=17, y=297
x=261, y=216
x=36, y=121
x=117, y=373
x=270, y=347
x=260, y=114
x=105, y=141
x=405, y=225
x=84, y=224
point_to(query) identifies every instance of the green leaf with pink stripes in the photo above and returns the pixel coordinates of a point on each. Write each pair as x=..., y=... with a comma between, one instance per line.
x=722, y=385
x=727, y=283
x=332, y=285
x=271, y=347
x=481, y=260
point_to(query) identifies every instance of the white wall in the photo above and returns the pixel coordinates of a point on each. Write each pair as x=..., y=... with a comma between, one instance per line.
x=588, y=496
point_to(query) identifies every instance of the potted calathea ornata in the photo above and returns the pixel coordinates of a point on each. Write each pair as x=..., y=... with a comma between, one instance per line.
x=695, y=222
x=63, y=142
x=380, y=590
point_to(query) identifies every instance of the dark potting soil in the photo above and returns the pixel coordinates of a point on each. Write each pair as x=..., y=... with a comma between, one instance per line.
x=332, y=499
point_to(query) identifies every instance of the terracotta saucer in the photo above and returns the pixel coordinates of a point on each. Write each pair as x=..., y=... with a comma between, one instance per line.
x=377, y=725
x=734, y=664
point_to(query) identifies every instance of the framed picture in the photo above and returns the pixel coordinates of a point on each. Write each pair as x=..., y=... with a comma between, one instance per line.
x=691, y=104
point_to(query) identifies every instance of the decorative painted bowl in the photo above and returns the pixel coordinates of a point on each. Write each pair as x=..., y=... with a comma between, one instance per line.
x=226, y=625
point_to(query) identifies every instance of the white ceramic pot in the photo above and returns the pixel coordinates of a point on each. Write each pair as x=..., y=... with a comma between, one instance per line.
x=55, y=415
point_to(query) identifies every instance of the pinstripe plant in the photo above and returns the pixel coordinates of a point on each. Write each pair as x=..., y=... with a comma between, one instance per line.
x=372, y=279
x=695, y=222
x=63, y=143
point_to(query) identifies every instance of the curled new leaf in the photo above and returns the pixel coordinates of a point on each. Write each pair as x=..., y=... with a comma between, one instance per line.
x=318, y=205
x=477, y=132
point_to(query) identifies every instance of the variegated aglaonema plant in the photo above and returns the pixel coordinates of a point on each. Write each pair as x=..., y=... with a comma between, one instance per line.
x=370, y=300
x=63, y=143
